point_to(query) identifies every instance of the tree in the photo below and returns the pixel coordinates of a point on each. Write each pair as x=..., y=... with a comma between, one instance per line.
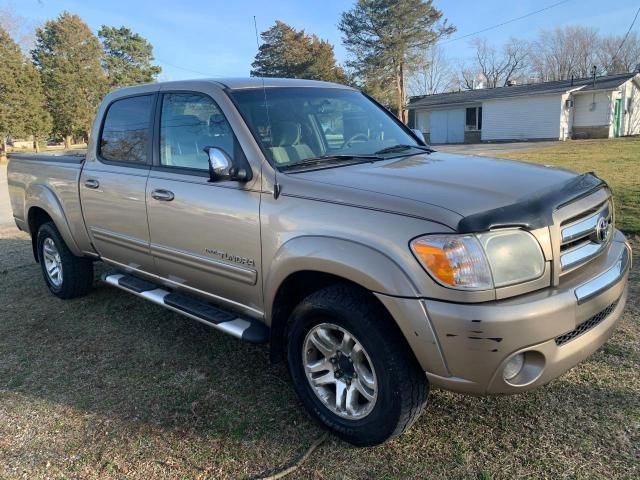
x=290, y=53
x=496, y=68
x=34, y=116
x=431, y=73
x=10, y=70
x=618, y=57
x=18, y=27
x=127, y=57
x=384, y=36
x=565, y=52
x=68, y=57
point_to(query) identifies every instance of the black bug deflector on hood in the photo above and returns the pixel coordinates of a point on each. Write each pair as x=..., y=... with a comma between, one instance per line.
x=535, y=211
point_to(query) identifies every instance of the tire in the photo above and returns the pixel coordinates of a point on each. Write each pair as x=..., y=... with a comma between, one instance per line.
x=76, y=276
x=401, y=387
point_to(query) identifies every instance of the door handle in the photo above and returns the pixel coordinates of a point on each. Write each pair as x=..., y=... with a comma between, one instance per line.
x=163, y=195
x=91, y=183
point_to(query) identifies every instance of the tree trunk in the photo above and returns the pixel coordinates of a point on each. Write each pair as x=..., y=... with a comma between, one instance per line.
x=67, y=142
x=3, y=149
x=36, y=145
x=403, y=111
x=399, y=94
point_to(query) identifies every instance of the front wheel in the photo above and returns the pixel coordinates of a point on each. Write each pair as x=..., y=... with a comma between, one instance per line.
x=352, y=368
x=67, y=276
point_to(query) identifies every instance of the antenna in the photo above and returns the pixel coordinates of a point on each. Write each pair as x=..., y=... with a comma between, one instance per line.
x=276, y=185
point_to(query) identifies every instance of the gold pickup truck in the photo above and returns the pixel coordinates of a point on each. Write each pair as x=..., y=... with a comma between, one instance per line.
x=304, y=215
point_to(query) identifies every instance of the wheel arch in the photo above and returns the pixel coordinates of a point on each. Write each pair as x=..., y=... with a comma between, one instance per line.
x=43, y=205
x=306, y=264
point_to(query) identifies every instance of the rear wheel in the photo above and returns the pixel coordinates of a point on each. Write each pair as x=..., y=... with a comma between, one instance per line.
x=352, y=368
x=66, y=275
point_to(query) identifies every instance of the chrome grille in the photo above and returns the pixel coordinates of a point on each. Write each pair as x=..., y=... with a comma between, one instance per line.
x=585, y=236
x=586, y=325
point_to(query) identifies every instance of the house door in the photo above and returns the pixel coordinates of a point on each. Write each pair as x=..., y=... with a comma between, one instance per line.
x=617, y=117
x=447, y=126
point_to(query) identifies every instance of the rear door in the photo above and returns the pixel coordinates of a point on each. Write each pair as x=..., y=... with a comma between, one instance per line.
x=112, y=186
x=205, y=236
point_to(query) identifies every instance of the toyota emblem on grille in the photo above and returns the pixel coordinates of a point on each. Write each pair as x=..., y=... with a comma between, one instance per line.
x=602, y=230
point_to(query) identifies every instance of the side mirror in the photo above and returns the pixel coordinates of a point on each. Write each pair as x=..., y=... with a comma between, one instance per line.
x=419, y=134
x=221, y=166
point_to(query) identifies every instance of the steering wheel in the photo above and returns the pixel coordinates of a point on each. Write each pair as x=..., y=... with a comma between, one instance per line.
x=348, y=141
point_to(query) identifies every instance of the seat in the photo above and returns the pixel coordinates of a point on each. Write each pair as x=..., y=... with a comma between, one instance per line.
x=180, y=144
x=286, y=143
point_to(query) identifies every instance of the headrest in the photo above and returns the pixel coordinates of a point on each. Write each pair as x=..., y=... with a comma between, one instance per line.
x=218, y=125
x=182, y=121
x=285, y=134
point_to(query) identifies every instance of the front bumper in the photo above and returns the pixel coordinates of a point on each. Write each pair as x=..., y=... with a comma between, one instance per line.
x=558, y=327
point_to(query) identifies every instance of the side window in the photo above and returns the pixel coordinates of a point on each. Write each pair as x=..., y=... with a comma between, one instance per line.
x=188, y=124
x=126, y=130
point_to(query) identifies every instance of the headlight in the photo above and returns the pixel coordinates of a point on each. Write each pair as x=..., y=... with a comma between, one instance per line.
x=480, y=262
x=455, y=260
x=514, y=255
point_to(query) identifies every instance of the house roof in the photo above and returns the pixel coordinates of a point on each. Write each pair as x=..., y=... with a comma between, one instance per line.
x=609, y=82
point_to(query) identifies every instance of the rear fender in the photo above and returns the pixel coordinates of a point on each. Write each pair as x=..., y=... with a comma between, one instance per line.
x=41, y=196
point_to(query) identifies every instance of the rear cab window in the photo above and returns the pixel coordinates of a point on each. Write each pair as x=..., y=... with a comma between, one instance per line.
x=126, y=131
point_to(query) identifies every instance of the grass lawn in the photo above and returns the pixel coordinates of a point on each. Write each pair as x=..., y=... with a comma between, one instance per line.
x=616, y=161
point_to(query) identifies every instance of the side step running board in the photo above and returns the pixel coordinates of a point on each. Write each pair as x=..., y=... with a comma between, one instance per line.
x=246, y=329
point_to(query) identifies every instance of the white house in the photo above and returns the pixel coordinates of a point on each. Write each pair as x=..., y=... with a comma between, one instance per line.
x=608, y=106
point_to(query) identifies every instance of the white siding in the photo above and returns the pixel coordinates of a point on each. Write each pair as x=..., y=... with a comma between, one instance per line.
x=631, y=109
x=522, y=118
x=592, y=110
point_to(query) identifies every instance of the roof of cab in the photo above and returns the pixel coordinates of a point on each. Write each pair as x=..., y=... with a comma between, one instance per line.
x=257, y=82
x=235, y=84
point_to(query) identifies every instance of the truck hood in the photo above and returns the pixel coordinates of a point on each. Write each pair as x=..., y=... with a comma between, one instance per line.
x=460, y=184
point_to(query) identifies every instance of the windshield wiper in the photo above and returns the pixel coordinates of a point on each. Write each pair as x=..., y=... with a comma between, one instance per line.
x=324, y=159
x=402, y=147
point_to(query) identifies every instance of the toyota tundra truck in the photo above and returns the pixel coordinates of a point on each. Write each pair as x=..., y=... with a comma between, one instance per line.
x=304, y=215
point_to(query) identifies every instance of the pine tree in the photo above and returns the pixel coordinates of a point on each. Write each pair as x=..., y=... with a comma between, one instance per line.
x=68, y=57
x=10, y=70
x=127, y=58
x=384, y=36
x=290, y=53
x=35, y=118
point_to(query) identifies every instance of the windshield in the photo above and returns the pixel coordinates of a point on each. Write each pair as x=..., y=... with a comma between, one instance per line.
x=301, y=123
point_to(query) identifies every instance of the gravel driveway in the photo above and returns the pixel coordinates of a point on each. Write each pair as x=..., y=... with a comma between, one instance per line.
x=493, y=149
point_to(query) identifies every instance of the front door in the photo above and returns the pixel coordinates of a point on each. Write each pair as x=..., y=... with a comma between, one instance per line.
x=205, y=236
x=617, y=117
x=112, y=185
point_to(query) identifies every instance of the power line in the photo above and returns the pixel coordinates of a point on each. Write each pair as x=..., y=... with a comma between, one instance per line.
x=182, y=68
x=505, y=23
x=626, y=35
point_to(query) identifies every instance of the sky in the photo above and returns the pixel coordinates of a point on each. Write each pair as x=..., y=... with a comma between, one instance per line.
x=213, y=38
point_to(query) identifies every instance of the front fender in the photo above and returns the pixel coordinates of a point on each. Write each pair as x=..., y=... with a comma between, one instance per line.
x=41, y=196
x=359, y=263
x=369, y=268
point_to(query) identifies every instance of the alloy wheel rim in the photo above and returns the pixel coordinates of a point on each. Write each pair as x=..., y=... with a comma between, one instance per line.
x=52, y=262
x=340, y=371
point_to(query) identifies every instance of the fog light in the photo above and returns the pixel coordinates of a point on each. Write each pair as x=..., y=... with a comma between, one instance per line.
x=513, y=366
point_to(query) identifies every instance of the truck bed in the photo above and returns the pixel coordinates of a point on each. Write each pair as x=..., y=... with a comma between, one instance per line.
x=49, y=182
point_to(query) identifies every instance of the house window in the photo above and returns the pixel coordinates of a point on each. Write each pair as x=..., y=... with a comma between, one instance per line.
x=474, y=118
